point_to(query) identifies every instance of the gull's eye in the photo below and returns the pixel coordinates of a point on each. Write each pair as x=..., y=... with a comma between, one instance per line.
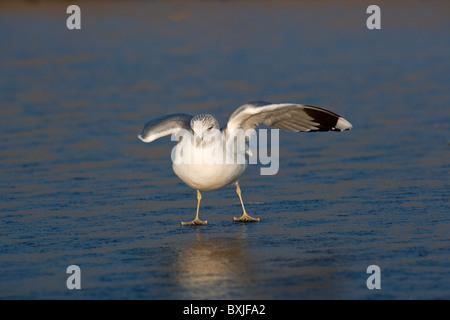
x=210, y=127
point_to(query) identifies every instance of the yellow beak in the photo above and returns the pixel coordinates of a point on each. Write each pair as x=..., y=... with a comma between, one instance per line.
x=198, y=141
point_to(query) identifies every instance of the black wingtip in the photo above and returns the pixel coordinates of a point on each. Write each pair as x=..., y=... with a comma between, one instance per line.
x=327, y=120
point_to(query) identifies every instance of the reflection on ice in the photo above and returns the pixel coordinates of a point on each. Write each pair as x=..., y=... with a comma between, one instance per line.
x=213, y=268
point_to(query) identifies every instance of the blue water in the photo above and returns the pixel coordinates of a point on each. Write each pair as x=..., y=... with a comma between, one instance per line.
x=78, y=187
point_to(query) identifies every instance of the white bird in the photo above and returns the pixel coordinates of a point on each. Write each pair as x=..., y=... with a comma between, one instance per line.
x=207, y=175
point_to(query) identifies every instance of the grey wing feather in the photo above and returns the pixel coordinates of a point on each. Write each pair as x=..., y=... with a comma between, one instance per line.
x=286, y=116
x=164, y=126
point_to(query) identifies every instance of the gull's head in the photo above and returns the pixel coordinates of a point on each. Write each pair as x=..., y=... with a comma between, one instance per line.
x=204, y=125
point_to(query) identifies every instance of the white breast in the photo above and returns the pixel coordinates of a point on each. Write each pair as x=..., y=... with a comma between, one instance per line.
x=205, y=171
x=209, y=177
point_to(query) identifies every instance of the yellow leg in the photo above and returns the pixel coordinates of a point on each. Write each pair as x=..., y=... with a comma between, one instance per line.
x=196, y=221
x=245, y=217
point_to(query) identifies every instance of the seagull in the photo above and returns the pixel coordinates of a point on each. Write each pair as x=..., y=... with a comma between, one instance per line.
x=207, y=175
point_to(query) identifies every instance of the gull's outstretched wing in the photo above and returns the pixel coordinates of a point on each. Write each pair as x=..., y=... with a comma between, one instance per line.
x=286, y=116
x=164, y=126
